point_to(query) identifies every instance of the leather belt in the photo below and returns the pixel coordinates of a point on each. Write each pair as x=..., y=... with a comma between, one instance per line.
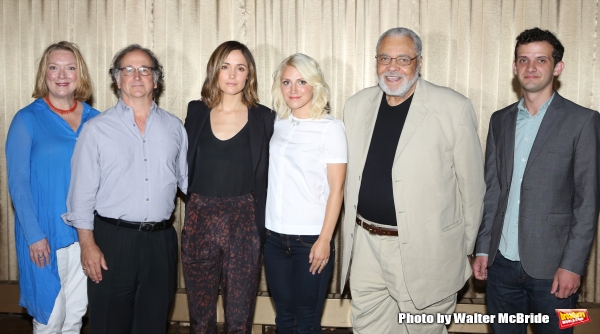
x=376, y=229
x=140, y=226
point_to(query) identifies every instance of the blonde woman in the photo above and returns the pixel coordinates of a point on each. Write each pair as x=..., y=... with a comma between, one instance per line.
x=307, y=168
x=39, y=147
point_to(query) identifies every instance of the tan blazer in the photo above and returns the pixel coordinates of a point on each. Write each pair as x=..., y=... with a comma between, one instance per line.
x=438, y=187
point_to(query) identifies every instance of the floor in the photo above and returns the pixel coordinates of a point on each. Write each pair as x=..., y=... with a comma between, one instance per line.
x=21, y=324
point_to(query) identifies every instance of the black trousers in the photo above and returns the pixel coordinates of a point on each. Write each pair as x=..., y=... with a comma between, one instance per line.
x=136, y=292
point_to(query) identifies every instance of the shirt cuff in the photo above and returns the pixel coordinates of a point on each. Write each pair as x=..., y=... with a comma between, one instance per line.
x=81, y=220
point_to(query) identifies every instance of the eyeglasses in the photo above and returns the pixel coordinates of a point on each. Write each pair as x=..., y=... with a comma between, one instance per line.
x=400, y=60
x=129, y=71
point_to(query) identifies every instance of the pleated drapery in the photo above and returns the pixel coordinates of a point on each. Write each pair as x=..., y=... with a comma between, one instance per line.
x=467, y=45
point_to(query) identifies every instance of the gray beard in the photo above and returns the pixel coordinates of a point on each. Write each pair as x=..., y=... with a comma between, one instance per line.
x=400, y=91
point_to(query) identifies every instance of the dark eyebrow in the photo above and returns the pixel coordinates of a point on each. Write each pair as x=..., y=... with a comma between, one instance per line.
x=235, y=64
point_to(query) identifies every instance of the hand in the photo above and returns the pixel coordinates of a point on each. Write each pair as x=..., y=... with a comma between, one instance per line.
x=39, y=253
x=319, y=256
x=92, y=260
x=565, y=283
x=480, y=267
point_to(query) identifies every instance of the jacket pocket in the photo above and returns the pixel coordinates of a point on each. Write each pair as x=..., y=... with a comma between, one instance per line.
x=451, y=226
x=560, y=218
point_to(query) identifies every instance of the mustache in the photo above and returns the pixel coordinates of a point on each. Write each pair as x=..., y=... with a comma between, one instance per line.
x=393, y=74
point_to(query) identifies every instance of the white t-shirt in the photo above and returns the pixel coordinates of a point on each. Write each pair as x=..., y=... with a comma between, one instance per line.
x=298, y=190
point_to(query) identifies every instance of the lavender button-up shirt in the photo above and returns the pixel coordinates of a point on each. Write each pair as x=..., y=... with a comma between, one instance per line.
x=121, y=174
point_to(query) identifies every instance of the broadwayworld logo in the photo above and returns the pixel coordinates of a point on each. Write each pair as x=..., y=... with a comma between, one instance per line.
x=572, y=317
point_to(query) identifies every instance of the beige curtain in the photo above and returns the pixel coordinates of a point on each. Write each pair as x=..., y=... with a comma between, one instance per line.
x=467, y=45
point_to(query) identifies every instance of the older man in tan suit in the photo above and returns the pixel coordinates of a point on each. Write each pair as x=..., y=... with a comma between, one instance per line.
x=414, y=194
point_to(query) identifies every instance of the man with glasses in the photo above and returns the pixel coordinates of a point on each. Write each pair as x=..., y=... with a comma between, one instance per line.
x=542, y=200
x=414, y=194
x=125, y=171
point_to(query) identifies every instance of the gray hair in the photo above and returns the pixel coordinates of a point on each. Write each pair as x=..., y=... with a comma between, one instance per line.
x=402, y=32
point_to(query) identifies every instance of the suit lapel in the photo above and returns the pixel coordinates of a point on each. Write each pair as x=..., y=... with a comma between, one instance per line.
x=553, y=115
x=509, y=130
x=256, y=127
x=194, y=130
x=416, y=114
x=369, y=118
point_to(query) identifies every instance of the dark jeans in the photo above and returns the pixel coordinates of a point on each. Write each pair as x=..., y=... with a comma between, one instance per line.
x=297, y=293
x=220, y=246
x=510, y=290
x=136, y=292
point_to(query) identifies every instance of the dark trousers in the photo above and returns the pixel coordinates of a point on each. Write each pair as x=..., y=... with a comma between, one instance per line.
x=220, y=245
x=136, y=292
x=297, y=293
x=510, y=290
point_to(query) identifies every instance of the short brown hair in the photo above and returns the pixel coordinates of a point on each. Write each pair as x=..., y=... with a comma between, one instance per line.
x=83, y=88
x=211, y=94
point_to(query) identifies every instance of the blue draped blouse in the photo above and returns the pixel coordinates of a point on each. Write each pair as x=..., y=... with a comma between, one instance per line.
x=39, y=147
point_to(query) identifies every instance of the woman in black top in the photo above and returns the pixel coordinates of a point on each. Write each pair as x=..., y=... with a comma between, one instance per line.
x=228, y=156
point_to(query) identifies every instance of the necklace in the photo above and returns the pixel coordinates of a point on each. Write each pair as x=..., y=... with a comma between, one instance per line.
x=60, y=111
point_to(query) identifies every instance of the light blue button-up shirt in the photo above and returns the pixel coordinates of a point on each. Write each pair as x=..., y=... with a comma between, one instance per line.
x=526, y=131
x=123, y=174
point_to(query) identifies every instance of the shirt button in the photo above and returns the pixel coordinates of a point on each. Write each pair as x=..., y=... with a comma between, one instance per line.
x=146, y=179
x=145, y=159
x=147, y=199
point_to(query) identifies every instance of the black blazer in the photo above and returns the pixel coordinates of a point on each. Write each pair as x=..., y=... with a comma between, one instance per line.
x=261, y=121
x=558, y=211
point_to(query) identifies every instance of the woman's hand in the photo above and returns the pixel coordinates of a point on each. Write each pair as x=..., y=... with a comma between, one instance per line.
x=319, y=255
x=39, y=252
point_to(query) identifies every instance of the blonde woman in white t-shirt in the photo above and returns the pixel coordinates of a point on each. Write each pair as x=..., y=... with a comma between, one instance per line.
x=307, y=168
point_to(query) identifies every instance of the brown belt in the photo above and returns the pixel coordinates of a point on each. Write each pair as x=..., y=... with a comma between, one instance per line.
x=376, y=229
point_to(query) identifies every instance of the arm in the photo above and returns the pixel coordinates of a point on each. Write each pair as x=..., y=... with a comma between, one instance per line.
x=81, y=201
x=586, y=203
x=490, y=205
x=182, y=167
x=468, y=166
x=336, y=157
x=18, y=157
x=336, y=174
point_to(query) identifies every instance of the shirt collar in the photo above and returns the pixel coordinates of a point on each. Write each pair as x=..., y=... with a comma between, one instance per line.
x=121, y=106
x=543, y=108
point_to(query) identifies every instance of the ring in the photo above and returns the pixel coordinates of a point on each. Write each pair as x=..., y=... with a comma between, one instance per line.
x=324, y=262
x=83, y=268
x=40, y=256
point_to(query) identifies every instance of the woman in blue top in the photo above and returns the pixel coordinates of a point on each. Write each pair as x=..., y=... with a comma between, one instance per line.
x=39, y=146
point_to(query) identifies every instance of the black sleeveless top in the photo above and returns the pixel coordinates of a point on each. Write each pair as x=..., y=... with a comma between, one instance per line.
x=223, y=167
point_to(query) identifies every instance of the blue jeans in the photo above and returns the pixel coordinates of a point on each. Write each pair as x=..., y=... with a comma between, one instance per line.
x=510, y=290
x=297, y=293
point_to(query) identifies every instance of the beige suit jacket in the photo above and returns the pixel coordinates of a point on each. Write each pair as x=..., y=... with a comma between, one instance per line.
x=438, y=187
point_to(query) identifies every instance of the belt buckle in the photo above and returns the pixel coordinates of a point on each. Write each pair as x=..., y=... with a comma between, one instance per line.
x=372, y=230
x=144, y=225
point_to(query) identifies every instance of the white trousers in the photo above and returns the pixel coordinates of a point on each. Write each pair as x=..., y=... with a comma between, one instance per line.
x=71, y=302
x=379, y=291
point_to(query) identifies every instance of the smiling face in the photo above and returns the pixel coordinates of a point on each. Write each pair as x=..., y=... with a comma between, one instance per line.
x=233, y=73
x=296, y=92
x=396, y=80
x=136, y=86
x=535, y=68
x=61, y=74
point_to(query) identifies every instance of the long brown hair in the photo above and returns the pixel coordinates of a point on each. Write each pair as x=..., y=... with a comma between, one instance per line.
x=211, y=94
x=83, y=88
